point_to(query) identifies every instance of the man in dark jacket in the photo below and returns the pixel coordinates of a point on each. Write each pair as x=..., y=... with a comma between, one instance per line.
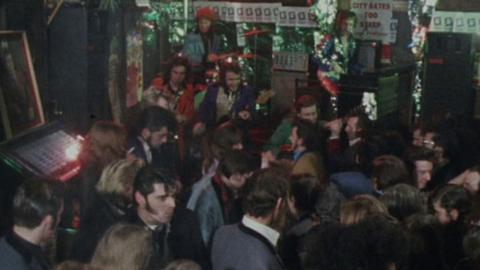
x=152, y=138
x=176, y=231
x=37, y=208
x=251, y=244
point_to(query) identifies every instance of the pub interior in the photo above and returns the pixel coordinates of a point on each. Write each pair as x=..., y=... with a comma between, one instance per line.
x=269, y=134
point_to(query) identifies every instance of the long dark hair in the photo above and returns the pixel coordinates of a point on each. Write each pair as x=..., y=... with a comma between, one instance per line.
x=177, y=61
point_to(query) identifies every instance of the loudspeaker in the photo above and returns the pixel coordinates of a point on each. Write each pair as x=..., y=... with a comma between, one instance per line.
x=67, y=69
x=448, y=74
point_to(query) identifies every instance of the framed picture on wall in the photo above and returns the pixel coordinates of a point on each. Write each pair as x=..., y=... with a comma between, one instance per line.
x=20, y=105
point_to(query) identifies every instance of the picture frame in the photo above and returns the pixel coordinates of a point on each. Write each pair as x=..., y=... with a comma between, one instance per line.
x=20, y=104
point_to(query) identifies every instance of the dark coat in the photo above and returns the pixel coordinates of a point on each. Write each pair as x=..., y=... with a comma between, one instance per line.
x=18, y=254
x=184, y=240
x=98, y=218
x=238, y=247
x=166, y=157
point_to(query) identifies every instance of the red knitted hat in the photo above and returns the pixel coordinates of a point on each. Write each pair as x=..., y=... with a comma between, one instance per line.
x=206, y=13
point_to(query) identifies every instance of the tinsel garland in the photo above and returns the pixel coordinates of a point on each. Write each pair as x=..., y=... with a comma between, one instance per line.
x=325, y=12
x=293, y=39
x=416, y=8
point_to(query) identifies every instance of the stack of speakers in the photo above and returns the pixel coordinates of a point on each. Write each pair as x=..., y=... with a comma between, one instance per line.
x=448, y=76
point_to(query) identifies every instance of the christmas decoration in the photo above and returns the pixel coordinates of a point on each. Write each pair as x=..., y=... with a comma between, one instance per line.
x=325, y=11
x=419, y=13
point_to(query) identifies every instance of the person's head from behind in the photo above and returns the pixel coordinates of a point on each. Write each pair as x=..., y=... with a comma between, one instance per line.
x=226, y=137
x=305, y=136
x=451, y=204
x=106, y=141
x=472, y=180
x=420, y=161
x=265, y=197
x=178, y=71
x=156, y=125
x=154, y=193
x=376, y=243
x=123, y=246
x=234, y=169
x=388, y=170
x=37, y=208
x=116, y=181
x=205, y=18
x=372, y=146
x=304, y=192
x=306, y=108
x=360, y=207
x=357, y=123
x=403, y=200
x=230, y=76
x=426, y=242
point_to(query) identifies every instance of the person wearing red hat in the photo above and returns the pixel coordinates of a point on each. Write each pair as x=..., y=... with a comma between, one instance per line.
x=203, y=46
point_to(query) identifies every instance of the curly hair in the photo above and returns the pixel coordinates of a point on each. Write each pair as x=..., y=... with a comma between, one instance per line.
x=178, y=61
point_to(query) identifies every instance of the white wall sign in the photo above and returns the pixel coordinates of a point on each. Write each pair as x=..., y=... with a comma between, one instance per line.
x=456, y=22
x=373, y=19
x=296, y=16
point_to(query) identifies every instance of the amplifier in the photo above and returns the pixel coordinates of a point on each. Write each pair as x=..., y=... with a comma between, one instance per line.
x=290, y=61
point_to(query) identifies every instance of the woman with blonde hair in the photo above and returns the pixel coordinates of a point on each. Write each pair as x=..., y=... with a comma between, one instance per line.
x=360, y=207
x=123, y=247
x=112, y=197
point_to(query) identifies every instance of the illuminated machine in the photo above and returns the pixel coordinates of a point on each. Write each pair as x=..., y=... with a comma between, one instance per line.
x=46, y=152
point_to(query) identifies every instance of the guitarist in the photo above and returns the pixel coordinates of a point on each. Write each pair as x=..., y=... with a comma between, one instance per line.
x=228, y=99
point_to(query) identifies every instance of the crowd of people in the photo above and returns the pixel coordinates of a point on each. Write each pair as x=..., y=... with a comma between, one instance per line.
x=183, y=187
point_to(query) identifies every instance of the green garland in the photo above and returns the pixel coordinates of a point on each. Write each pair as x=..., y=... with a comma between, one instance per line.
x=325, y=12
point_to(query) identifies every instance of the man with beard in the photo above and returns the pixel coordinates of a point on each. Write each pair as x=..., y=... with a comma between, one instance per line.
x=251, y=244
x=176, y=232
x=343, y=154
x=151, y=138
